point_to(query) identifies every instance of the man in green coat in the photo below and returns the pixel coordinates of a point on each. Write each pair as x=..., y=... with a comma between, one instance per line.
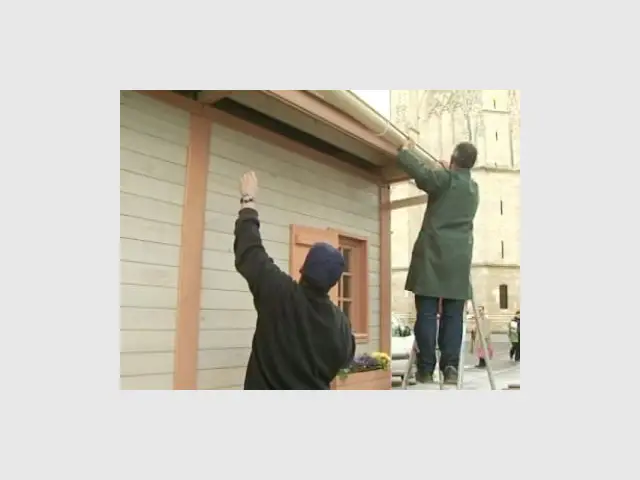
x=441, y=257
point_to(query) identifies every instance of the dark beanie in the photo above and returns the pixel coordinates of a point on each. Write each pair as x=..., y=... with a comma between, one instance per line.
x=323, y=266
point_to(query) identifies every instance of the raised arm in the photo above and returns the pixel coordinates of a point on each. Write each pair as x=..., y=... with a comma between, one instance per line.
x=251, y=258
x=432, y=181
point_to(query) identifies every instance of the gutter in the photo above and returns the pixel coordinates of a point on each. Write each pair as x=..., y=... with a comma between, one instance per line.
x=354, y=106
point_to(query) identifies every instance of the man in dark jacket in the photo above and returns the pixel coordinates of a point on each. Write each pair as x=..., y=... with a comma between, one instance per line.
x=441, y=257
x=302, y=339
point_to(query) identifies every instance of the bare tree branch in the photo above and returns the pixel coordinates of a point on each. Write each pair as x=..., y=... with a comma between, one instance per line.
x=400, y=114
x=469, y=103
x=435, y=102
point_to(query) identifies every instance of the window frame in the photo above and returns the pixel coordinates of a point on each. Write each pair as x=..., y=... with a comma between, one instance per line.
x=359, y=274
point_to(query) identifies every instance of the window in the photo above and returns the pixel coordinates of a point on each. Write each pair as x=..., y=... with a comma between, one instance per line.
x=501, y=208
x=504, y=297
x=351, y=293
x=353, y=286
x=345, y=285
x=502, y=248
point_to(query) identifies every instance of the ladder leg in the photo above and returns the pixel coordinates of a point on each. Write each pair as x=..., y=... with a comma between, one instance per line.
x=483, y=343
x=410, y=362
x=462, y=350
x=439, y=355
x=440, y=374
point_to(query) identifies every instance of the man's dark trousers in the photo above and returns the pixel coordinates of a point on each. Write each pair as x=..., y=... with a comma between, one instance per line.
x=449, y=338
x=515, y=351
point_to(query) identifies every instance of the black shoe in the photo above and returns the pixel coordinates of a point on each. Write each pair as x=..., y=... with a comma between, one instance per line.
x=424, y=377
x=451, y=375
x=481, y=363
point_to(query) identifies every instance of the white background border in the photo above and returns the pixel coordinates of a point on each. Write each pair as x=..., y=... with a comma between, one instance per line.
x=62, y=411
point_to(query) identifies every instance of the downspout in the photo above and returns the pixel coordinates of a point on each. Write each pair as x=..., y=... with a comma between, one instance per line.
x=351, y=104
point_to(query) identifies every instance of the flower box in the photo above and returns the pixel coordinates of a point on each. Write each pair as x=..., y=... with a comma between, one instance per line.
x=370, y=380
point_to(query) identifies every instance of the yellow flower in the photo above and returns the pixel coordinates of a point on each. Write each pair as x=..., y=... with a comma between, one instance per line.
x=383, y=359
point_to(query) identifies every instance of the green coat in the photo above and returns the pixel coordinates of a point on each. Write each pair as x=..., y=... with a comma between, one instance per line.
x=441, y=257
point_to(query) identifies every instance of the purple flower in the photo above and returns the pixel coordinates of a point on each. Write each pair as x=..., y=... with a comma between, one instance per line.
x=364, y=362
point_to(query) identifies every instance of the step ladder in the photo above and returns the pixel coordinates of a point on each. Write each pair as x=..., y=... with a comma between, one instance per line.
x=480, y=334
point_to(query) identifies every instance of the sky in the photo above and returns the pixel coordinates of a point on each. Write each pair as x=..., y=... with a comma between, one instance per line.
x=378, y=99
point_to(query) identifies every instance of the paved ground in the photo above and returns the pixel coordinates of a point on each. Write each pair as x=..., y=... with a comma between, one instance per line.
x=505, y=370
x=501, y=347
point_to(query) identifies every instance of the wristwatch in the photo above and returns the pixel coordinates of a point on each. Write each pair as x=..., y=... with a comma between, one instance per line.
x=246, y=199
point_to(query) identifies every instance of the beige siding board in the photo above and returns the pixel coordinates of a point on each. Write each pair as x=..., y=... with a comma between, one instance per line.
x=149, y=124
x=223, y=358
x=221, y=378
x=141, y=207
x=147, y=252
x=156, y=109
x=148, y=297
x=305, y=214
x=223, y=242
x=227, y=300
x=152, y=167
x=152, y=275
x=147, y=382
x=146, y=341
x=228, y=320
x=374, y=265
x=216, y=222
x=275, y=193
x=149, y=230
x=374, y=332
x=219, y=280
x=146, y=363
x=373, y=342
x=133, y=318
x=274, y=184
x=143, y=186
x=374, y=294
x=213, y=260
x=220, y=339
x=152, y=146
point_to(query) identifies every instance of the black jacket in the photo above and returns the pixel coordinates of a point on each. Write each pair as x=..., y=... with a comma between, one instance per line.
x=302, y=339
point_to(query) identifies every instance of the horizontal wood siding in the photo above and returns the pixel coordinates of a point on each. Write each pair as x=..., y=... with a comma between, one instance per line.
x=153, y=148
x=292, y=190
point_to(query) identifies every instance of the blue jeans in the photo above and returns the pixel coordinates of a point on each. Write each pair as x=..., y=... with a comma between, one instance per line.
x=449, y=336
